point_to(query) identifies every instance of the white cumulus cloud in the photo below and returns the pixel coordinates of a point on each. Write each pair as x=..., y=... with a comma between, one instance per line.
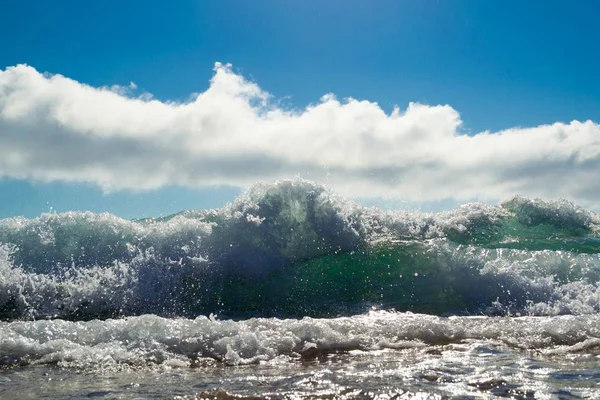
x=53, y=128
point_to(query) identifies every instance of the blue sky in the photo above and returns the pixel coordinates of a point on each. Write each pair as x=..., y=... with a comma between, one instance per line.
x=499, y=65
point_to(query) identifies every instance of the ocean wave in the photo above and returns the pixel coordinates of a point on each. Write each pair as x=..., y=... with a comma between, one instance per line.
x=294, y=249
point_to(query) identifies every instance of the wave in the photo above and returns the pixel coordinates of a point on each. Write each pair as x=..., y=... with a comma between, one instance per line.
x=149, y=340
x=294, y=249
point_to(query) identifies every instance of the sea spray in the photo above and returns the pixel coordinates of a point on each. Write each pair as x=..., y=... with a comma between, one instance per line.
x=294, y=249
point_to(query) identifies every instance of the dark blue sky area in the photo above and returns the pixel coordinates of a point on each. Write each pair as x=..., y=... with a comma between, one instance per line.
x=500, y=64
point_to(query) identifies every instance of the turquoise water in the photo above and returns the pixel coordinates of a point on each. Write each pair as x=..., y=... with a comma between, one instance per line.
x=294, y=291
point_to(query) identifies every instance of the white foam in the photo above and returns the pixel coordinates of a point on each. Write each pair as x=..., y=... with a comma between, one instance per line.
x=150, y=340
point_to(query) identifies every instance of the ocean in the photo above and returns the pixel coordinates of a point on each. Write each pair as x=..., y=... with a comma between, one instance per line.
x=294, y=292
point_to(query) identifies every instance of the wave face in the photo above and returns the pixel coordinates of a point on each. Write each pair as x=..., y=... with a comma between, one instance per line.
x=294, y=249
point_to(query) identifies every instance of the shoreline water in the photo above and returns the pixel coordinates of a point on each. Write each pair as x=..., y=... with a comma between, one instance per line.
x=471, y=369
x=375, y=356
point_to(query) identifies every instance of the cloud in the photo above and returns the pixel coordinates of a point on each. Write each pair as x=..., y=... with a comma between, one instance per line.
x=53, y=128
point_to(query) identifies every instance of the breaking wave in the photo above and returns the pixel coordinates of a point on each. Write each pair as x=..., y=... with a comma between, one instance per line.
x=294, y=249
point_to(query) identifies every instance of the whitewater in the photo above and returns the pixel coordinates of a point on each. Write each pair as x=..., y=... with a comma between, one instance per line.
x=291, y=291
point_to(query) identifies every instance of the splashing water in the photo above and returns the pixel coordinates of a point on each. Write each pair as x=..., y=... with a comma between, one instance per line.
x=291, y=272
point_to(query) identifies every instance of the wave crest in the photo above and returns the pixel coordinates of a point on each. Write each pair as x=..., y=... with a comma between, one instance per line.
x=293, y=248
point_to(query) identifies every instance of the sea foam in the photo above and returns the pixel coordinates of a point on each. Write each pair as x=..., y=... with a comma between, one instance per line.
x=148, y=340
